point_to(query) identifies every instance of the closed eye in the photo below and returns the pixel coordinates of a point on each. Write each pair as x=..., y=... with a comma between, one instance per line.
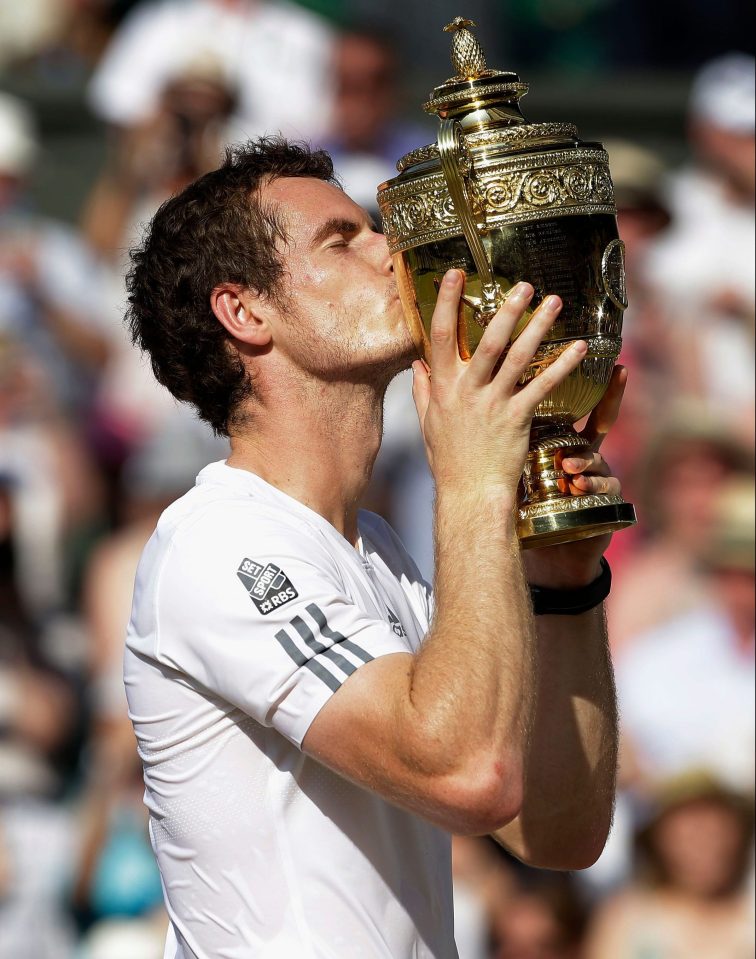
x=340, y=229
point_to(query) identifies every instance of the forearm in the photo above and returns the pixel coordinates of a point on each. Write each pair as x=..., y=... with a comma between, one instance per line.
x=473, y=683
x=571, y=765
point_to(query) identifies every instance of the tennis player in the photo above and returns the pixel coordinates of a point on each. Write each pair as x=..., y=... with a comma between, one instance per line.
x=314, y=721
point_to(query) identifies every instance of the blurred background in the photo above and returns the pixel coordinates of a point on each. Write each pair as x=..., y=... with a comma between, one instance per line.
x=109, y=106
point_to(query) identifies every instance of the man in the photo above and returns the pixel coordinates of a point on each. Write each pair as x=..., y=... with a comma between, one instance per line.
x=311, y=730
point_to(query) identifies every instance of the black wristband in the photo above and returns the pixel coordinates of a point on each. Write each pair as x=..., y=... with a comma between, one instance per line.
x=572, y=602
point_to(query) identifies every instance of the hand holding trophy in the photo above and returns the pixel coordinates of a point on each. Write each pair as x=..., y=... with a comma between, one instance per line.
x=508, y=201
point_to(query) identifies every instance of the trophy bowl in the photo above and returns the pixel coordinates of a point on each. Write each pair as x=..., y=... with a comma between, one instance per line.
x=505, y=200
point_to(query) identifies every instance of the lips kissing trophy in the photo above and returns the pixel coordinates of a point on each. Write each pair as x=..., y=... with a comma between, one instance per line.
x=506, y=200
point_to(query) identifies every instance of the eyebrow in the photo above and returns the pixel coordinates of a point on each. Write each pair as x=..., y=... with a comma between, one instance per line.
x=338, y=224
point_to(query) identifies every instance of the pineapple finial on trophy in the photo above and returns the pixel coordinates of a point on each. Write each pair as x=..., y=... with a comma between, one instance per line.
x=466, y=53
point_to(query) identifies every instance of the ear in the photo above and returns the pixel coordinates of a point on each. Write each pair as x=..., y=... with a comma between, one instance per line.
x=243, y=314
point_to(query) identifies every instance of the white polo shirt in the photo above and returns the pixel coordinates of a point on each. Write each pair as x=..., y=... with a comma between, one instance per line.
x=250, y=611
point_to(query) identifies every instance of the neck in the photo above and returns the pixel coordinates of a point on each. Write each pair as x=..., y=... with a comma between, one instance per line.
x=319, y=447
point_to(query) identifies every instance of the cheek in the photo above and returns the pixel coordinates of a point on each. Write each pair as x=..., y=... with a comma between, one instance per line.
x=315, y=278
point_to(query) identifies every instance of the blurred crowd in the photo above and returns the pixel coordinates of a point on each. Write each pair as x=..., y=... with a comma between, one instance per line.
x=92, y=449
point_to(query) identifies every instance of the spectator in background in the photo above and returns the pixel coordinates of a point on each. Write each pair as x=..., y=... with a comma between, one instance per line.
x=682, y=623
x=49, y=282
x=504, y=910
x=690, y=897
x=53, y=346
x=182, y=138
x=686, y=687
x=274, y=53
x=38, y=715
x=366, y=135
x=703, y=269
x=688, y=454
x=544, y=919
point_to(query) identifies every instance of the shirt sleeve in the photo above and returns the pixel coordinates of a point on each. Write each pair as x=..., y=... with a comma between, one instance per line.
x=256, y=612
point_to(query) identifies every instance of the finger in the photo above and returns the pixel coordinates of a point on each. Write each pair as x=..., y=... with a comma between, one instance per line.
x=421, y=389
x=540, y=386
x=589, y=463
x=522, y=351
x=605, y=413
x=498, y=334
x=594, y=484
x=443, y=334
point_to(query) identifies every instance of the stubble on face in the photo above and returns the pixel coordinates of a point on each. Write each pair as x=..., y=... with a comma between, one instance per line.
x=345, y=351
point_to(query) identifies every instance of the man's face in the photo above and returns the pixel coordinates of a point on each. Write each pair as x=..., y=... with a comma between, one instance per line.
x=342, y=318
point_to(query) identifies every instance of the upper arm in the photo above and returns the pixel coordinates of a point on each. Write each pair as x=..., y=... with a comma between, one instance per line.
x=364, y=732
x=370, y=733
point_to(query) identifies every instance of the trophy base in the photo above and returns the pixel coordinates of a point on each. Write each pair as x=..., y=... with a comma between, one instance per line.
x=569, y=518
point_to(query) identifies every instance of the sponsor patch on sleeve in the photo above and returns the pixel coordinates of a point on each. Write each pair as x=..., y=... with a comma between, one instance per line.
x=267, y=585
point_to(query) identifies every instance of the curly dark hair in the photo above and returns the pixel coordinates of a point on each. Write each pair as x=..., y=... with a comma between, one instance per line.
x=215, y=231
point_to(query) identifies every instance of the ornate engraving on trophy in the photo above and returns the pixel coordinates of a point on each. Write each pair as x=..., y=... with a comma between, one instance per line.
x=516, y=190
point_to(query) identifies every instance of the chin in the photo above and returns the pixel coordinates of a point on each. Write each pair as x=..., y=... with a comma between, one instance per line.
x=381, y=369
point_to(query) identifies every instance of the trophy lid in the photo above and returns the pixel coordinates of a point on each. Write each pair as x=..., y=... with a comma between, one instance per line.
x=475, y=89
x=485, y=102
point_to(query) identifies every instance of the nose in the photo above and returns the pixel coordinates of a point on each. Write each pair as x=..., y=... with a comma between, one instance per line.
x=387, y=265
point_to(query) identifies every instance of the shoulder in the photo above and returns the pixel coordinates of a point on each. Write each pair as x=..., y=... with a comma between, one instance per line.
x=207, y=540
x=209, y=529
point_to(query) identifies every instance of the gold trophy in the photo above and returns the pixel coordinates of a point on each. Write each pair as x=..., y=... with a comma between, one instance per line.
x=506, y=200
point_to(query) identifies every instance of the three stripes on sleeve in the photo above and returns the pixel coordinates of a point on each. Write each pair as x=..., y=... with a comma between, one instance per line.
x=321, y=651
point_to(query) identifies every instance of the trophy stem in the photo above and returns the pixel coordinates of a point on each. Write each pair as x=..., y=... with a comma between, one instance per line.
x=548, y=512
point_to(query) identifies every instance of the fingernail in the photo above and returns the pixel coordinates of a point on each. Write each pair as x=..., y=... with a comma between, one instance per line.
x=452, y=277
x=523, y=291
x=552, y=303
x=580, y=347
x=572, y=466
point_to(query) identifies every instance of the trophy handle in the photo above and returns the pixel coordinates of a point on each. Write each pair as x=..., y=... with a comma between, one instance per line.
x=453, y=155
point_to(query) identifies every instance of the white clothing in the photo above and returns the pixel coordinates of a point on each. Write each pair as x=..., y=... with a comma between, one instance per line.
x=250, y=610
x=711, y=242
x=277, y=55
x=710, y=247
x=686, y=699
x=686, y=696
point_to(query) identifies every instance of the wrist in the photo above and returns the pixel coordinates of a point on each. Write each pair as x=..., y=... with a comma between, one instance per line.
x=495, y=501
x=492, y=512
x=557, y=570
x=572, y=601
